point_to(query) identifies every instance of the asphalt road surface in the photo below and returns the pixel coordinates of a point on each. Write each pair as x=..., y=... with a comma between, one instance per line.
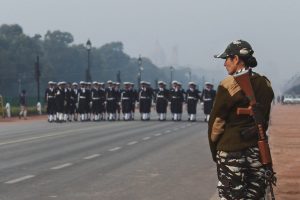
x=119, y=160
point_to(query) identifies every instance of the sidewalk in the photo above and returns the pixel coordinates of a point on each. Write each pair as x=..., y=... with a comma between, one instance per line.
x=285, y=148
x=29, y=118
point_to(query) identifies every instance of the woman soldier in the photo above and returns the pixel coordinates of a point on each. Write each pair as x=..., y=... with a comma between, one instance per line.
x=240, y=172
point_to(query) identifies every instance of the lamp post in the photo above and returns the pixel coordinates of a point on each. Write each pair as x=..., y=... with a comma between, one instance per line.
x=140, y=70
x=88, y=77
x=171, y=75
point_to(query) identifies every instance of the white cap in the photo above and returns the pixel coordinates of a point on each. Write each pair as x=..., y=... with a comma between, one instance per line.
x=74, y=83
x=192, y=83
x=162, y=83
x=208, y=83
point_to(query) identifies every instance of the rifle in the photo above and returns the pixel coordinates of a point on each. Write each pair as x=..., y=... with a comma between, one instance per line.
x=243, y=80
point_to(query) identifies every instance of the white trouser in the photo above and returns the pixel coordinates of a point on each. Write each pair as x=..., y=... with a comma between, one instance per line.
x=177, y=116
x=207, y=117
x=192, y=117
x=146, y=116
x=111, y=116
x=23, y=111
x=162, y=116
x=127, y=116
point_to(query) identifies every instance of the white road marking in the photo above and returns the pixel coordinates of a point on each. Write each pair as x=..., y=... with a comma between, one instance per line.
x=132, y=143
x=115, y=149
x=92, y=156
x=146, y=138
x=62, y=133
x=20, y=179
x=157, y=134
x=167, y=131
x=62, y=166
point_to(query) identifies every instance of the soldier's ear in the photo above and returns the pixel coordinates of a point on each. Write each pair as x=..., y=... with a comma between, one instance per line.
x=236, y=60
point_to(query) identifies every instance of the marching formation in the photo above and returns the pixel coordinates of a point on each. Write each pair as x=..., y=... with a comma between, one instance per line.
x=95, y=102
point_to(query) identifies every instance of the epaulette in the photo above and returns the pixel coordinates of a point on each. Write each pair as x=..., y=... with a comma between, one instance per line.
x=231, y=85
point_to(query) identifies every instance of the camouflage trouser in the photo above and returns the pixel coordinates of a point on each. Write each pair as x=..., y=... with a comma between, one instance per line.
x=241, y=175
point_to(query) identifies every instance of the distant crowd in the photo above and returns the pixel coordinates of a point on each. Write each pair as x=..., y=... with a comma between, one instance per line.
x=98, y=101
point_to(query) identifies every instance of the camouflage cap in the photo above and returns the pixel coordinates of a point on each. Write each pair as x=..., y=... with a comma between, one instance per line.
x=237, y=47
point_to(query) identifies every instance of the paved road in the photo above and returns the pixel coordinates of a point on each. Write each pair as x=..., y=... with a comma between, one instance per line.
x=105, y=161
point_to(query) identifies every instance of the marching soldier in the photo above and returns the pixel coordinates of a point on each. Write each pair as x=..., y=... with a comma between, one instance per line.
x=192, y=98
x=50, y=100
x=96, y=105
x=82, y=101
x=88, y=101
x=171, y=99
x=60, y=101
x=67, y=106
x=145, y=99
x=177, y=99
x=73, y=102
x=162, y=96
x=111, y=99
x=208, y=97
x=118, y=94
x=135, y=96
x=126, y=99
x=102, y=96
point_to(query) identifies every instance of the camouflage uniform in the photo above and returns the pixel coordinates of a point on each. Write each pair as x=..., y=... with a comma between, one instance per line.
x=240, y=174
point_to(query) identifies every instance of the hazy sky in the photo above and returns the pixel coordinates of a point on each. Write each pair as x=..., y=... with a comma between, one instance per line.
x=199, y=29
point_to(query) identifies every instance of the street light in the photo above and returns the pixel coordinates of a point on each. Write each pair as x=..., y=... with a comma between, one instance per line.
x=171, y=75
x=140, y=62
x=88, y=77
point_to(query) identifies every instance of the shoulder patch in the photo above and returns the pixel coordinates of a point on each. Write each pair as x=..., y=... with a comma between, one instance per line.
x=231, y=85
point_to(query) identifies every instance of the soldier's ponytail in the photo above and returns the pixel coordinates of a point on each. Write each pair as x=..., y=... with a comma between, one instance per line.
x=250, y=61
